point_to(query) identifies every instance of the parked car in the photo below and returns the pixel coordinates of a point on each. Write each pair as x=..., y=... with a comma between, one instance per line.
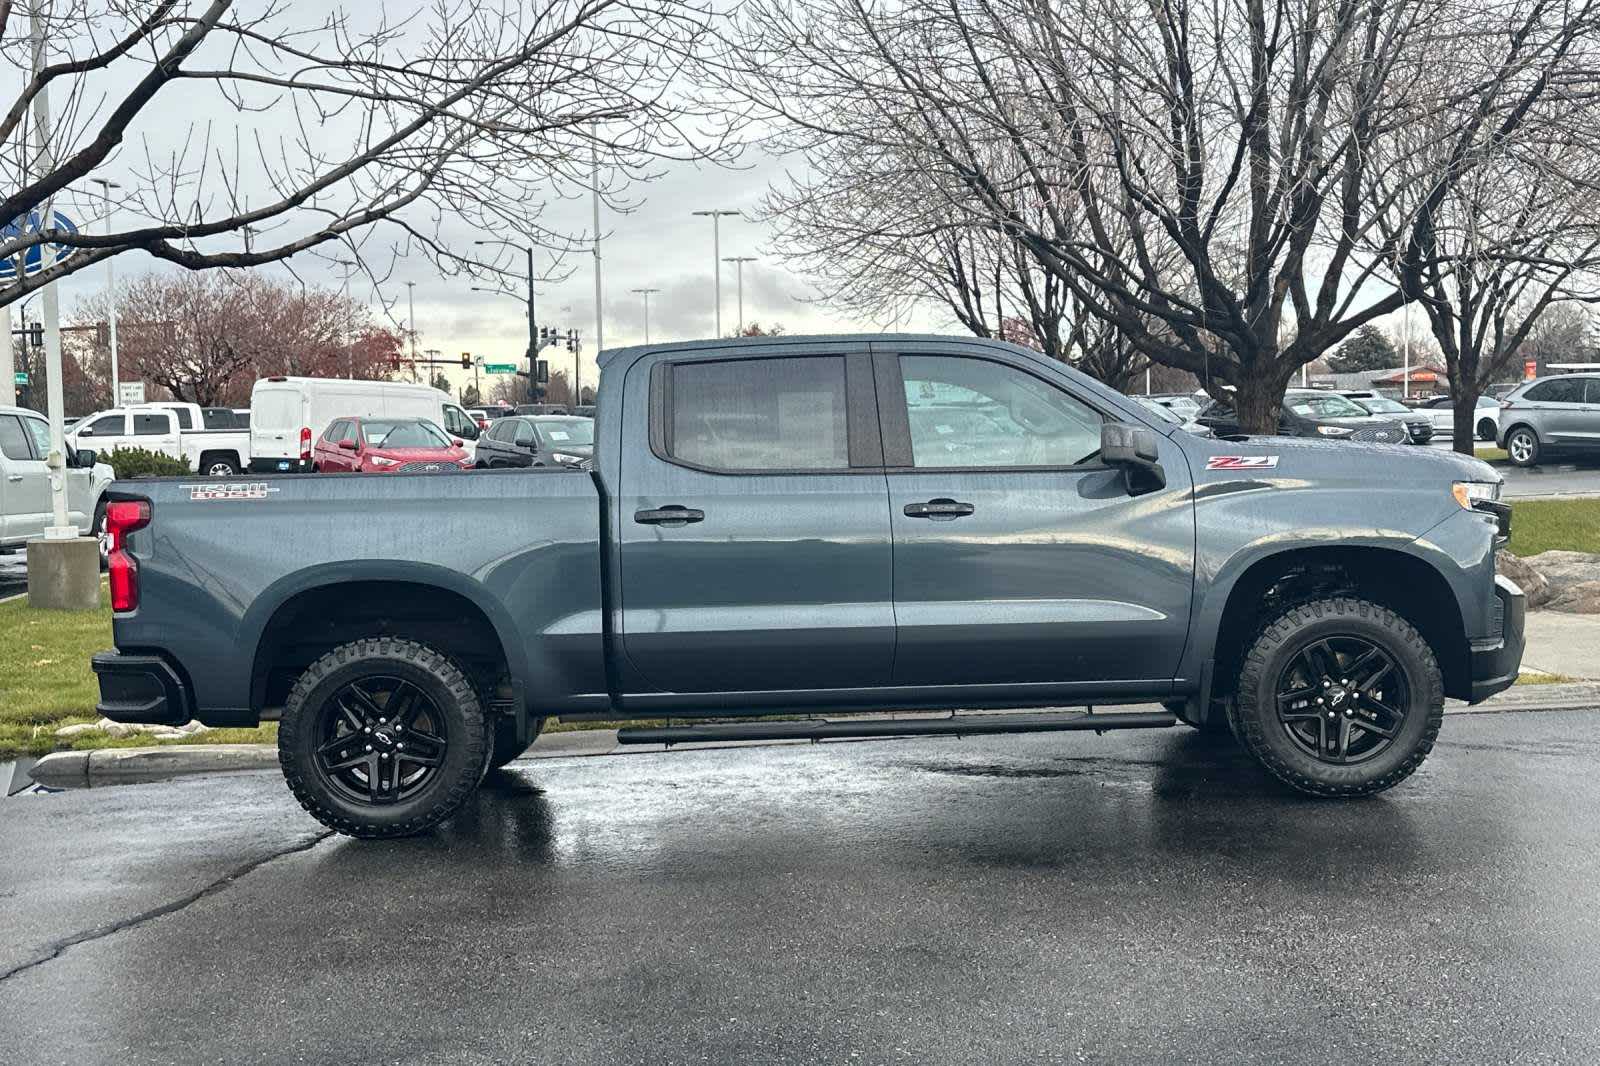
x=1181, y=403
x=1551, y=415
x=287, y=415
x=25, y=506
x=1419, y=427
x=1170, y=414
x=1500, y=390
x=543, y=409
x=1314, y=413
x=772, y=525
x=387, y=446
x=584, y=410
x=536, y=440
x=1441, y=412
x=159, y=427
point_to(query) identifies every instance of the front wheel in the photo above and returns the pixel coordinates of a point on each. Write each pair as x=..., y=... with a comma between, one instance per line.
x=1339, y=697
x=382, y=738
x=1522, y=446
x=1486, y=430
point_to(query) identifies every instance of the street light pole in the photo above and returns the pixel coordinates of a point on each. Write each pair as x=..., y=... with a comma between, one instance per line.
x=349, y=353
x=55, y=403
x=646, y=294
x=716, y=215
x=411, y=323
x=739, y=261
x=111, y=289
x=599, y=305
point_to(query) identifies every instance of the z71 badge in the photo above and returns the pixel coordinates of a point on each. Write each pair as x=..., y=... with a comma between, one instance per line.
x=1241, y=462
x=235, y=491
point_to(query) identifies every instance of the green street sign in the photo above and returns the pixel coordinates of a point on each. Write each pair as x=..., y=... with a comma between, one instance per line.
x=22, y=377
x=499, y=368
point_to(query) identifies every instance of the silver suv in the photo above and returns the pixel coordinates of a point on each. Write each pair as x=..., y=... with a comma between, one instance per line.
x=1551, y=414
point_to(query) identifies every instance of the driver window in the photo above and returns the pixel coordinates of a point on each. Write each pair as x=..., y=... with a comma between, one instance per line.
x=966, y=412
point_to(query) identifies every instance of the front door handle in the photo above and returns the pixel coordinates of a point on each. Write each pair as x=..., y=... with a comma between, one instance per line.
x=940, y=510
x=672, y=515
x=14, y=477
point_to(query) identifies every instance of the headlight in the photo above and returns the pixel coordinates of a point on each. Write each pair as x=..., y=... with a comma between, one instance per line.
x=1334, y=431
x=378, y=460
x=566, y=458
x=1468, y=493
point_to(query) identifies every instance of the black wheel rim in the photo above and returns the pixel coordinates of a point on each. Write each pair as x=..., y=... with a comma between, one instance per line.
x=380, y=740
x=1342, y=700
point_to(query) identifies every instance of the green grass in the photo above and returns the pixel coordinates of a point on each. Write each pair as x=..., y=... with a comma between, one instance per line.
x=1545, y=525
x=1490, y=454
x=1544, y=679
x=46, y=683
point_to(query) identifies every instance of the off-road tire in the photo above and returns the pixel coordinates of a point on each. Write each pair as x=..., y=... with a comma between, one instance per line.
x=466, y=757
x=1254, y=711
x=1530, y=452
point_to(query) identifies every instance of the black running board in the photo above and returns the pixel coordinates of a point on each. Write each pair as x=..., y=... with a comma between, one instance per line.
x=950, y=725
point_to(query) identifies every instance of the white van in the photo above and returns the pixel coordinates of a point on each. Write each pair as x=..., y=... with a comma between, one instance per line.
x=288, y=415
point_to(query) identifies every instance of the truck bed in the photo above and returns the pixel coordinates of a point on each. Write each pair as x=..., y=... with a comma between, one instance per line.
x=224, y=563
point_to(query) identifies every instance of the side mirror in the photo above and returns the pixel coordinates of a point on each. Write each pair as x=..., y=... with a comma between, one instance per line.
x=349, y=445
x=455, y=443
x=86, y=431
x=84, y=458
x=1133, y=450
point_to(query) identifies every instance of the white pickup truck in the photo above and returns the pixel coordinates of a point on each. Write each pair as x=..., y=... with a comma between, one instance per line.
x=181, y=430
x=25, y=508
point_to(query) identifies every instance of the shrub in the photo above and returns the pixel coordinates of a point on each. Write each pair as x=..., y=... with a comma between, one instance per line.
x=140, y=462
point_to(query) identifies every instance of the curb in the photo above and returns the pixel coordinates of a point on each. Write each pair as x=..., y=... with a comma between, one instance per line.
x=121, y=766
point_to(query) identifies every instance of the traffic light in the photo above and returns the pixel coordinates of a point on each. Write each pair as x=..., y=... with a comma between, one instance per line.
x=466, y=360
x=36, y=334
x=541, y=371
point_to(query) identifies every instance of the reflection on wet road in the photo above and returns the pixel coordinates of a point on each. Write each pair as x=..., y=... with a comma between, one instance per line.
x=1147, y=898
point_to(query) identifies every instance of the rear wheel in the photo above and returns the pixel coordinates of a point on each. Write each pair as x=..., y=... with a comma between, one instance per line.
x=382, y=738
x=219, y=465
x=1486, y=430
x=1339, y=697
x=1522, y=446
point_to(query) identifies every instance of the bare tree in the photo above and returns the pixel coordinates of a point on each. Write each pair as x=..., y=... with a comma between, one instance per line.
x=1200, y=176
x=461, y=118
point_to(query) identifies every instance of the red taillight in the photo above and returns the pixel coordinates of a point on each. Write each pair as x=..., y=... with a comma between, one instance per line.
x=122, y=518
x=305, y=442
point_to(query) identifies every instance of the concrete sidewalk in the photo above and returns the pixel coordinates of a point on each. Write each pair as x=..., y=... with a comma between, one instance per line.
x=1561, y=643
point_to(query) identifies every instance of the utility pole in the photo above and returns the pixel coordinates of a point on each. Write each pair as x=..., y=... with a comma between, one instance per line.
x=739, y=261
x=646, y=294
x=716, y=215
x=111, y=289
x=533, y=343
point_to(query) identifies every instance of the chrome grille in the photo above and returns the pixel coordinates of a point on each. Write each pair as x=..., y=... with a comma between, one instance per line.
x=1381, y=433
x=429, y=467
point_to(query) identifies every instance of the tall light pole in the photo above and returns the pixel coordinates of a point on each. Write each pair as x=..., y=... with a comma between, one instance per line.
x=55, y=404
x=599, y=305
x=349, y=353
x=111, y=287
x=716, y=215
x=411, y=323
x=740, y=261
x=646, y=294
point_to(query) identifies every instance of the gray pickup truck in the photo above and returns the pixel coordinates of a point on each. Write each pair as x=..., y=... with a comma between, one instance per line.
x=806, y=525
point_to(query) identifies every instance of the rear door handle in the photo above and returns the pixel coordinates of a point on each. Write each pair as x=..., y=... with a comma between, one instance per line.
x=672, y=515
x=940, y=510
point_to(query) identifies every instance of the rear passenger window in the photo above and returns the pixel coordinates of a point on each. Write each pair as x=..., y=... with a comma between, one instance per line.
x=759, y=414
x=183, y=417
x=1591, y=390
x=1557, y=390
x=151, y=425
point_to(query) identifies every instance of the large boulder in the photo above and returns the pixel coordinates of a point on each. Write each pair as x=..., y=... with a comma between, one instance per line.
x=1582, y=598
x=1534, y=585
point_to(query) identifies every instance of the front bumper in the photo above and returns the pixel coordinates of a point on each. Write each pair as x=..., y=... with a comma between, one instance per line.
x=1496, y=659
x=140, y=689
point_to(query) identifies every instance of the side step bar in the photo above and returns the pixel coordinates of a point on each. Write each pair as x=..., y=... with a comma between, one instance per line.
x=950, y=725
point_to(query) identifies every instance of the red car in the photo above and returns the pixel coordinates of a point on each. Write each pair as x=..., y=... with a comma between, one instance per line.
x=387, y=446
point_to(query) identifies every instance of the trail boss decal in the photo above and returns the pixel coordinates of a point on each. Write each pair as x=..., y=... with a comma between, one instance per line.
x=1241, y=462
x=236, y=491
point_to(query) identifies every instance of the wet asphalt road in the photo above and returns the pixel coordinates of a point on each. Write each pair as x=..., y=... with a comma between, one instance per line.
x=1134, y=898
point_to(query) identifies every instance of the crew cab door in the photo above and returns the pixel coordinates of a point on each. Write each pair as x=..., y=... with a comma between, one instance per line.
x=1018, y=557
x=753, y=525
x=24, y=482
x=156, y=431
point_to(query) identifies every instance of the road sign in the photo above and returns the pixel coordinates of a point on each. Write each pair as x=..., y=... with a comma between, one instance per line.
x=21, y=378
x=33, y=258
x=130, y=392
x=499, y=368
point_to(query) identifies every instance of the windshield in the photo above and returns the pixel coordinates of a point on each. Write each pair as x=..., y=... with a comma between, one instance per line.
x=1383, y=404
x=1166, y=413
x=578, y=431
x=1329, y=406
x=414, y=434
